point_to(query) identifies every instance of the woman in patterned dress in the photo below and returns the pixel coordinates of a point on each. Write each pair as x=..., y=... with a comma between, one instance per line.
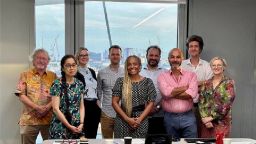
x=67, y=102
x=215, y=101
x=137, y=95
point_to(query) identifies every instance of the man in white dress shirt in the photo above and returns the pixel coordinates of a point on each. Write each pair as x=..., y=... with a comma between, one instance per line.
x=197, y=65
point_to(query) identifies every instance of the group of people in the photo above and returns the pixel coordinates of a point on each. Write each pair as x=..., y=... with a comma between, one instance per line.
x=194, y=97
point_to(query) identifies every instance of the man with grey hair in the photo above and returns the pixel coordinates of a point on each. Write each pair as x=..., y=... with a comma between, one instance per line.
x=33, y=91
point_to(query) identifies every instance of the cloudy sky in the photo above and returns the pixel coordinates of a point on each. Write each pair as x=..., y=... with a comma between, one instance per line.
x=132, y=25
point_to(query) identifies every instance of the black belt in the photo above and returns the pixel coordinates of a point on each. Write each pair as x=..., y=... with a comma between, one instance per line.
x=182, y=113
x=91, y=99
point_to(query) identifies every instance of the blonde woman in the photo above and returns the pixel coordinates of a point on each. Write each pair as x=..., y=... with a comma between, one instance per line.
x=215, y=101
x=137, y=95
x=92, y=109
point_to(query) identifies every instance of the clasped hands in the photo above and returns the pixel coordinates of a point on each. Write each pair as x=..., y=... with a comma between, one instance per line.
x=76, y=129
x=134, y=122
x=41, y=111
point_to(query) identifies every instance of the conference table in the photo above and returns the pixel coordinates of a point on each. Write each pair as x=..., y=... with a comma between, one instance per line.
x=138, y=141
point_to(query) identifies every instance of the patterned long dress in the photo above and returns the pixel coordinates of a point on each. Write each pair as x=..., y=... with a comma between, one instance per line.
x=217, y=103
x=70, y=98
x=142, y=92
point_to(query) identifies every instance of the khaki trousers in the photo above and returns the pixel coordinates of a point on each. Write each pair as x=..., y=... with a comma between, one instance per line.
x=29, y=133
x=107, y=125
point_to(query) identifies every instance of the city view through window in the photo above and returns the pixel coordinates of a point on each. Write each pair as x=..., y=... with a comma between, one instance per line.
x=134, y=26
x=50, y=32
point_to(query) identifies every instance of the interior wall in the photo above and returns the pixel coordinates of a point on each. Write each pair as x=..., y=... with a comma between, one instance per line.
x=16, y=43
x=229, y=30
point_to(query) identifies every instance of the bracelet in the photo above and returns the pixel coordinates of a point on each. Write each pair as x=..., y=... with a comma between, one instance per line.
x=82, y=123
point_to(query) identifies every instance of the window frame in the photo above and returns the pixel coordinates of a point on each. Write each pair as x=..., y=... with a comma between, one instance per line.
x=75, y=21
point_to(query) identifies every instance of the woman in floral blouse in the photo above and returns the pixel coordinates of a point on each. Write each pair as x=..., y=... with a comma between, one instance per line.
x=67, y=102
x=215, y=101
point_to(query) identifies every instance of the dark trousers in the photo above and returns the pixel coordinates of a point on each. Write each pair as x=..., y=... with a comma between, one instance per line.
x=198, y=119
x=92, y=118
x=181, y=125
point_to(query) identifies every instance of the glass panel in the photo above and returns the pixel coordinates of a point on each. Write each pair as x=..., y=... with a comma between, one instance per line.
x=133, y=26
x=50, y=31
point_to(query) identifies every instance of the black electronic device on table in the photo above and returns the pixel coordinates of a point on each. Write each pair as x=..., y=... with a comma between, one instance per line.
x=158, y=139
x=195, y=140
x=156, y=125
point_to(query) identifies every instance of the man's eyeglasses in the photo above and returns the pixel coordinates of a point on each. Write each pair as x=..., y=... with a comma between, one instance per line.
x=69, y=66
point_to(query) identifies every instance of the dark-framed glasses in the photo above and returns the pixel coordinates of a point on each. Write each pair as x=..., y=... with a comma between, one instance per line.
x=69, y=66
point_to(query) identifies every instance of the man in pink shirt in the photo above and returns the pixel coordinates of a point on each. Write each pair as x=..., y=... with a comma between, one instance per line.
x=178, y=88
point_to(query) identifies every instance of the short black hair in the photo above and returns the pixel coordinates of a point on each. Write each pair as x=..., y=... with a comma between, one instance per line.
x=198, y=39
x=155, y=47
x=116, y=47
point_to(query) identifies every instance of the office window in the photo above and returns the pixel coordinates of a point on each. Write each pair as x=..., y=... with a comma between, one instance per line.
x=134, y=26
x=50, y=33
x=50, y=30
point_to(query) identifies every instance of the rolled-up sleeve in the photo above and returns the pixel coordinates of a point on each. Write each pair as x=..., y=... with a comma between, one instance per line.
x=164, y=85
x=193, y=87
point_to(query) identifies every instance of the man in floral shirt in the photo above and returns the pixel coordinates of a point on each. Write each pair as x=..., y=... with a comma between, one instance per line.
x=33, y=91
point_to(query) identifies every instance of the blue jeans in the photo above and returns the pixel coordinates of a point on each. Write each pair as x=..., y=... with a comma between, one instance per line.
x=181, y=125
